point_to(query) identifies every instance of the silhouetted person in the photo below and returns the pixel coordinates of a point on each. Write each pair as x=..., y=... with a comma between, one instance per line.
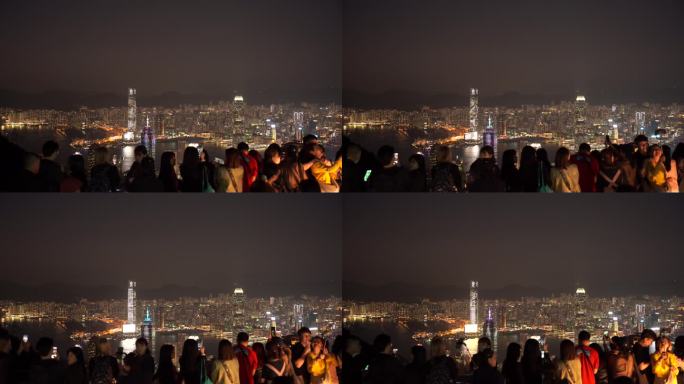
x=140, y=361
x=639, y=157
x=28, y=179
x=484, y=175
x=543, y=171
x=191, y=171
x=230, y=176
x=299, y=352
x=247, y=359
x=250, y=165
x=76, y=368
x=642, y=357
x=532, y=362
x=568, y=364
x=610, y=177
x=75, y=179
x=389, y=177
x=512, y=368
x=384, y=367
x=354, y=360
x=445, y=175
x=208, y=165
x=440, y=368
x=354, y=171
x=104, y=177
x=487, y=372
x=529, y=170
x=167, y=172
x=225, y=369
x=416, y=370
x=564, y=175
x=588, y=168
x=50, y=171
x=167, y=373
x=139, y=152
x=46, y=370
x=193, y=369
x=509, y=171
x=103, y=367
x=146, y=181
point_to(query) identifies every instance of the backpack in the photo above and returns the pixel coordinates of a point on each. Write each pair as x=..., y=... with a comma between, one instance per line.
x=439, y=373
x=101, y=371
x=443, y=180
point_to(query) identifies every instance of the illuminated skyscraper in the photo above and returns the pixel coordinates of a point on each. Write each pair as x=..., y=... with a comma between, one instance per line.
x=238, y=310
x=298, y=315
x=580, y=308
x=274, y=134
x=473, y=302
x=238, y=118
x=580, y=119
x=147, y=325
x=640, y=123
x=130, y=326
x=148, y=138
x=471, y=137
x=489, y=137
x=129, y=135
x=489, y=329
x=639, y=317
x=298, y=125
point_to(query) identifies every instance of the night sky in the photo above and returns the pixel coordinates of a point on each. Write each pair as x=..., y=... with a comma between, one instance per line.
x=269, y=245
x=404, y=246
x=609, y=50
x=262, y=49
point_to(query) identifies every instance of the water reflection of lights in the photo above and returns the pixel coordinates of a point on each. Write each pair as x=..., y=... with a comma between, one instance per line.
x=127, y=157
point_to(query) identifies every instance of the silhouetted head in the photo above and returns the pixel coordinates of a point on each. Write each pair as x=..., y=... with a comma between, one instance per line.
x=438, y=346
x=272, y=154
x=486, y=152
x=583, y=337
x=139, y=152
x=419, y=355
x=567, y=350
x=584, y=148
x=141, y=347
x=416, y=162
x=483, y=343
x=190, y=354
x=528, y=156
x=542, y=155
x=562, y=158
x=75, y=356
x=382, y=343
x=44, y=346
x=167, y=353
x=190, y=156
x=147, y=166
x=310, y=139
x=641, y=142
x=50, y=150
x=354, y=153
x=242, y=338
x=225, y=350
x=385, y=155
x=243, y=147
x=442, y=154
x=304, y=335
x=513, y=353
x=101, y=155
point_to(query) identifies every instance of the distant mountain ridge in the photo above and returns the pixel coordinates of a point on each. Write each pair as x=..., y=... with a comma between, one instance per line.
x=406, y=292
x=61, y=292
x=70, y=100
x=412, y=100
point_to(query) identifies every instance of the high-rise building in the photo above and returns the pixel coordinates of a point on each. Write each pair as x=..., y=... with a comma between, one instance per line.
x=489, y=328
x=298, y=125
x=580, y=119
x=580, y=308
x=472, y=137
x=238, y=118
x=129, y=135
x=238, y=310
x=489, y=137
x=147, y=325
x=639, y=317
x=130, y=326
x=148, y=138
x=472, y=308
x=298, y=315
x=640, y=123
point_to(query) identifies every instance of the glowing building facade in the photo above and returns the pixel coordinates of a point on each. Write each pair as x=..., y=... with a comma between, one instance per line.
x=238, y=118
x=580, y=308
x=489, y=137
x=298, y=125
x=129, y=135
x=130, y=325
x=471, y=137
x=238, y=310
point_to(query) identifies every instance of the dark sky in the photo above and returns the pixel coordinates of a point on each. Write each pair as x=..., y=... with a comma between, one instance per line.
x=291, y=243
x=613, y=47
x=258, y=48
x=609, y=244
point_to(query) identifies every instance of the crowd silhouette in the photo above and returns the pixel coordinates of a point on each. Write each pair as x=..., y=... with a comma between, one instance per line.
x=292, y=168
x=638, y=166
x=638, y=359
x=294, y=359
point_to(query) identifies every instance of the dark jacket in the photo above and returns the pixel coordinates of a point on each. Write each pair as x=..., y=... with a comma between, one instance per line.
x=50, y=175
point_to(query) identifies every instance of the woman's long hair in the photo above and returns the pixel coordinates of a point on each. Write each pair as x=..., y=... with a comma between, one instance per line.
x=188, y=360
x=166, y=169
x=512, y=357
x=225, y=350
